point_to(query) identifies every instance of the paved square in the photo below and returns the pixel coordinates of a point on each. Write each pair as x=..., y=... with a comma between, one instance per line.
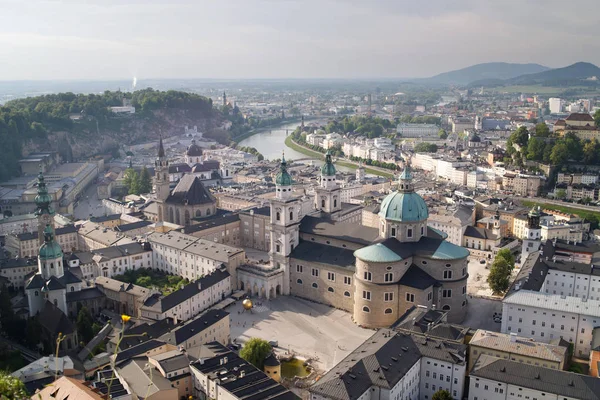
x=308, y=329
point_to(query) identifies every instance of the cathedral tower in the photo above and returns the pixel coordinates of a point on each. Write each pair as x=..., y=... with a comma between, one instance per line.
x=285, y=223
x=532, y=234
x=161, y=180
x=327, y=195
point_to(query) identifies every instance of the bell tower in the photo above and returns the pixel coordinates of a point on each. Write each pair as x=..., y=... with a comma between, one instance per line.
x=532, y=234
x=161, y=180
x=327, y=195
x=284, y=224
x=44, y=210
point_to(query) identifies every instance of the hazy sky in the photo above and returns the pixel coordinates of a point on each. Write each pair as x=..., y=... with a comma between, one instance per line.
x=114, y=39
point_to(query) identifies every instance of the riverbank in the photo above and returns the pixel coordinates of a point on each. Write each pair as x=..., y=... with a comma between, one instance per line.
x=266, y=128
x=289, y=142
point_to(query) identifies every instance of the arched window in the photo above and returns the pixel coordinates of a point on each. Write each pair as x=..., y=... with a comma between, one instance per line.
x=334, y=202
x=291, y=215
x=72, y=288
x=388, y=277
x=330, y=289
x=198, y=213
x=51, y=265
x=299, y=281
x=347, y=293
x=394, y=232
x=278, y=216
x=409, y=232
x=208, y=211
x=56, y=302
x=36, y=293
x=388, y=311
x=59, y=264
x=446, y=308
x=315, y=285
x=187, y=217
x=322, y=202
x=422, y=231
x=366, y=309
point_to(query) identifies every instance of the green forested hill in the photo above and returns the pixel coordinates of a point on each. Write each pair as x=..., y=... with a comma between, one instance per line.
x=35, y=121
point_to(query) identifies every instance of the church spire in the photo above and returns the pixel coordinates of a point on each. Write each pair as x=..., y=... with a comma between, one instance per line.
x=161, y=149
x=43, y=199
x=405, y=184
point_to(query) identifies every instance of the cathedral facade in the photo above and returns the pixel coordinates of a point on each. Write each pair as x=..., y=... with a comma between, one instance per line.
x=376, y=274
x=188, y=200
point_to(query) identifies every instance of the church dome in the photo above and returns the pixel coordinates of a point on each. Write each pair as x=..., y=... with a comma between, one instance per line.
x=50, y=249
x=475, y=138
x=283, y=177
x=328, y=168
x=404, y=205
x=194, y=150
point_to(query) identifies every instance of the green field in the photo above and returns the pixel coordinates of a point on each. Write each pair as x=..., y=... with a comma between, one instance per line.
x=592, y=216
x=311, y=153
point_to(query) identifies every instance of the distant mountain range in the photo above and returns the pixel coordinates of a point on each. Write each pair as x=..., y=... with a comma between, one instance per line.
x=485, y=72
x=504, y=74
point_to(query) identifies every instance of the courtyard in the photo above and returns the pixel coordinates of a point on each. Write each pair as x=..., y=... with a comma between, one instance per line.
x=306, y=329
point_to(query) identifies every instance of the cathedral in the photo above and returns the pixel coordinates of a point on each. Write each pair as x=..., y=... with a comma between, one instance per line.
x=189, y=199
x=376, y=274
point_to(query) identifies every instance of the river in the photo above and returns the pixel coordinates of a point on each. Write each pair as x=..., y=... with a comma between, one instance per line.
x=271, y=142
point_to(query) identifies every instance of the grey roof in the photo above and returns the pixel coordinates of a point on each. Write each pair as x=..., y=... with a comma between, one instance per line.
x=266, y=211
x=132, y=226
x=173, y=361
x=194, y=326
x=187, y=292
x=63, y=230
x=480, y=233
x=382, y=360
x=442, y=350
x=417, y=319
x=240, y=378
x=416, y=278
x=562, y=383
x=54, y=320
x=106, y=218
x=54, y=283
x=211, y=223
x=145, y=332
x=84, y=294
x=68, y=278
x=18, y=262
x=137, y=350
x=180, y=167
x=324, y=254
x=25, y=236
x=35, y=282
x=355, y=233
x=190, y=191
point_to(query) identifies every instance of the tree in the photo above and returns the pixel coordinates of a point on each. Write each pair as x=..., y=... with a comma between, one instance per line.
x=559, y=154
x=499, y=277
x=145, y=181
x=144, y=281
x=85, y=324
x=443, y=134
x=590, y=152
x=255, y=351
x=131, y=180
x=520, y=136
x=33, y=332
x=542, y=130
x=11, y=388
x=560, y=194
x=535, y=149
x=597, y=118
x=508, y=256
x=442, y=395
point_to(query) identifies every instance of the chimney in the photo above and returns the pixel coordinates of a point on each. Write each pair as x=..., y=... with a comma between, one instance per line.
x=242, y=373
x=513, y=337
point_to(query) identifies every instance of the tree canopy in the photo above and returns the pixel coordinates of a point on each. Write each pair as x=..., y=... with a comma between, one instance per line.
x=499, y=277
x=11, y=388
x=425, y=147
x=85, y=323
x=442, y=395
x=255, y=351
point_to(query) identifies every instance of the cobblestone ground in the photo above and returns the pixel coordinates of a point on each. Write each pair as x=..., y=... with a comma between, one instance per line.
x=307, y=329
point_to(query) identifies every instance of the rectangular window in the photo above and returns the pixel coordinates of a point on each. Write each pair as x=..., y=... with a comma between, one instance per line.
x=447, y=293
x=410, y=297
x=331, y=276
x=447, y=274
x=409, y=232
x=366, y=295
x=389, y=296
x=367, y=276
x=315, y=272
x=299, y=268
x=347, y=280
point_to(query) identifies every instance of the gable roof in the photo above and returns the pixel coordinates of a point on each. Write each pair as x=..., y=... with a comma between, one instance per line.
x=479, y=233
x=416, y=278
x=190, y=191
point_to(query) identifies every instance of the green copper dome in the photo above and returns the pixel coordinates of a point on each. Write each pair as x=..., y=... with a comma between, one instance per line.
x=283, y=178
x=377, y=253
x=43, y=199
x=328, y=169
x=404, y=205
x=50, y=249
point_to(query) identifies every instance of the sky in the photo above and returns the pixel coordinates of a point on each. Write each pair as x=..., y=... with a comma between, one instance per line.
x=237, y=39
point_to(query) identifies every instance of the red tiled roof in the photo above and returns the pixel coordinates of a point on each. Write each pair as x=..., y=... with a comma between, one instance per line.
x=580, y=117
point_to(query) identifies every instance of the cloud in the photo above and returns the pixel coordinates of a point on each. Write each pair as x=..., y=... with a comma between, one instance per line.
x=105, y=39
